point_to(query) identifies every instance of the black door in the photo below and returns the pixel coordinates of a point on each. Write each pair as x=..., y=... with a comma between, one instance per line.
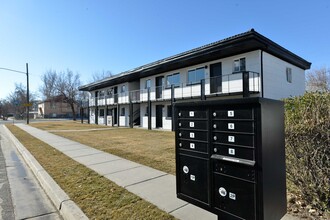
x=115, y=91
x=216, y=78
x=159, y=116
x=159, y=86
x=115, y=116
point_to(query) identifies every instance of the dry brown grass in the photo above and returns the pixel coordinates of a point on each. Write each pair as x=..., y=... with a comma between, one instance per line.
x=152, y=148
x=64, y=125
x=98, y=197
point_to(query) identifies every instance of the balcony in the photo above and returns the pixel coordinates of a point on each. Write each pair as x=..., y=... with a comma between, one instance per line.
x=216, y=86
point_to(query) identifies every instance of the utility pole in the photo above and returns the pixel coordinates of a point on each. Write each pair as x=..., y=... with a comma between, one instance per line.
x=27, y=95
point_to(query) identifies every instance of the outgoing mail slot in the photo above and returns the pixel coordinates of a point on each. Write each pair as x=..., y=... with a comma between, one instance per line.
x=234, y=196
x=233, y=126
x=234, y=139
x=193, y=135
x=233, y=151
x=233, y=114
x=235, y=170
x=193, y=124
x=192, y=114
x=193, y=178
x=193, y=146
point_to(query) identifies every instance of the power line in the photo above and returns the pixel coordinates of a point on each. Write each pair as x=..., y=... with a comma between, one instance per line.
x=17, y=71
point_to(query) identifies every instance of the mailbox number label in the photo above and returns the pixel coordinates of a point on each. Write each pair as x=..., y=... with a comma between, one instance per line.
x=231, y=151
x=192, y=145
x=192, y=135
x=191, y=113
x=231, y=113
x=192, y=177
x=231, y=126
x=231, y=139
x=192, y=124
x=232, y=196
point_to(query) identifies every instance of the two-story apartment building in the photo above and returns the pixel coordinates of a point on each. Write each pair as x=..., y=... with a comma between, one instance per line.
x=246, y=64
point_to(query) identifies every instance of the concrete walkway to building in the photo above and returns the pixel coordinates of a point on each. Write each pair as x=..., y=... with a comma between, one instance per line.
x=154, y=186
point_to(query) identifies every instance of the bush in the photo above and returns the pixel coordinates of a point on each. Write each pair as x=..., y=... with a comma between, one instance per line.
x=307, y=125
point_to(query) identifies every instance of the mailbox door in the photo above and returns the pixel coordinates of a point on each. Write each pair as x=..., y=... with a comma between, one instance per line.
x=193, y=178
x=234, y=196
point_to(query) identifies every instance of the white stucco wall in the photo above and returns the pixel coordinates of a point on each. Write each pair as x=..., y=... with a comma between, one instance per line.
x=274, y=78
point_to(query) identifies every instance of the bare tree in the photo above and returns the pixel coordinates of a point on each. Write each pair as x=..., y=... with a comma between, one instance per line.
x=318, y=80
x=17, y=99
x=64, y=84
x=48, y=88
x=97, y=76
x=4, y=108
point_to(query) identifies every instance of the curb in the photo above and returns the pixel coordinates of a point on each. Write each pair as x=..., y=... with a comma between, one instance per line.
x=67, y=208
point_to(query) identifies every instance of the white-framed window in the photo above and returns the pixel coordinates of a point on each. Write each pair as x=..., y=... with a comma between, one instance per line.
x=196, y=75
x=123, y=88
x=173, y=79
x=122, y=112
x=147, y=84
x=289, y=75
x=239, y=64
x=101, y=93
x=101, y=112
x=110, y=93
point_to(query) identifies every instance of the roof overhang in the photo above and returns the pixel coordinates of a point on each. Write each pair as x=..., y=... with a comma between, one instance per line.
x=245, y=42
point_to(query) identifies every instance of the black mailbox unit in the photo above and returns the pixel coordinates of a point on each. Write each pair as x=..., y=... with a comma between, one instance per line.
x=230, y=157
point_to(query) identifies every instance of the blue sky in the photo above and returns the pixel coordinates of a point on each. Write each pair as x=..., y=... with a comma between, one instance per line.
x=117, y=35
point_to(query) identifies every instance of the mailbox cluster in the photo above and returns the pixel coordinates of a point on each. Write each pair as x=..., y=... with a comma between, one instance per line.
x=230, y=157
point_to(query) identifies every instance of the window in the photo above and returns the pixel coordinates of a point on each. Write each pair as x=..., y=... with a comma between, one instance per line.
x=123, y=89
x=173, y=79
x=147, y=111
x=110, y=93
x=196, y=75
x=122, y=112
x=109, y=112
x=148, y=84
x=101, y=93
x=53, y=105
x=101, y=112
x=239, y=65
x=289, y=75
x=169, y=111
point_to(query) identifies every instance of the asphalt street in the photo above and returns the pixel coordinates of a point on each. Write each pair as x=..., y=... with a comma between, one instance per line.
x=21, y=196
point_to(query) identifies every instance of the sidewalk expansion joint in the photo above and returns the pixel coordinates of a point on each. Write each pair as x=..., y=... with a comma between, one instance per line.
x=143, y=181
x=121, y=170
x=101, y=162
x=178, y=208
x=87, y=155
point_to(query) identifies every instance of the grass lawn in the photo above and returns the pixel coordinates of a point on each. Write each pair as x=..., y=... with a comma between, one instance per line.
x=152, y=148
x=98, y=197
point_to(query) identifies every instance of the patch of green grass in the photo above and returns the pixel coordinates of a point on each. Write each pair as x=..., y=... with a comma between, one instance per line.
x=98, y=197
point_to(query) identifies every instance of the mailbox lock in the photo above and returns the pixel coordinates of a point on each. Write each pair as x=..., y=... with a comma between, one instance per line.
x=222, y=191
x=180, y=124
x=215, y=138
x=180, y=134
x=215, y=149
x=214, y=114
x=180, y=144
x=179, y=114
x=185, y=169
x=215, y=126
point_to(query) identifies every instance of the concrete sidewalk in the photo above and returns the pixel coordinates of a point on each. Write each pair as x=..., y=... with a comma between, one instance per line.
x=154, y=186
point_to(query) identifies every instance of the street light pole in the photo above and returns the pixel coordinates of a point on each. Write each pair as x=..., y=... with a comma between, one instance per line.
x=27, y=95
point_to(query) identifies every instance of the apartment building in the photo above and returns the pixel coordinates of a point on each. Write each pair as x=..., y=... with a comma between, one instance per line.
x=247, y=64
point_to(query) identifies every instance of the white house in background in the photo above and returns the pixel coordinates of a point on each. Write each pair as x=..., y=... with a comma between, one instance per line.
x=246, y=64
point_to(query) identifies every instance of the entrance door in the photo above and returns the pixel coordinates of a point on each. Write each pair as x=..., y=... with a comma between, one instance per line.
x=159, y=86
x=216, y=78
x=159, y=116
x=114, y=118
